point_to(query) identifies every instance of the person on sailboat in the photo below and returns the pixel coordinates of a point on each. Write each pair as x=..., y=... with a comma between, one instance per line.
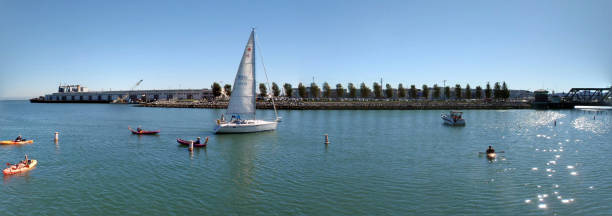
x=490, y=150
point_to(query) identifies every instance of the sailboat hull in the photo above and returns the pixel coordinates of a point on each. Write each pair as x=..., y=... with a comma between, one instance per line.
x=249, y=126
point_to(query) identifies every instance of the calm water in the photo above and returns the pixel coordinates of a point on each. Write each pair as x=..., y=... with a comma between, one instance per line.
x=378, y=163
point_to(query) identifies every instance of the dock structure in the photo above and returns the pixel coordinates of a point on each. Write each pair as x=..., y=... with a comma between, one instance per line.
x=81, y=95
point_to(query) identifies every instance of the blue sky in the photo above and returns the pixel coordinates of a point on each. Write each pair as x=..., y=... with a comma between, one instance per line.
x=190, y=44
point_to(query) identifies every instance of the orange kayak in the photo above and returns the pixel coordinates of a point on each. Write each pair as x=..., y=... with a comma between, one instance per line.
x=12, y=142
x=13, y=169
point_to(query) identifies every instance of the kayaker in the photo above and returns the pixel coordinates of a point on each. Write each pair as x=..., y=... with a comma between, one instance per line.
x=139, y=129
x=197, y=141
x=490, y=150
x=26, y=160
x=18, y=139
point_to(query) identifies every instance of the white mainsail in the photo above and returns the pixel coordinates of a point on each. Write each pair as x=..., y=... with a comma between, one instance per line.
x=242, y=100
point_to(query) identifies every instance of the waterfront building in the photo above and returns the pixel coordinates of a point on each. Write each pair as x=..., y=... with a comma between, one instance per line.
x=80, y=94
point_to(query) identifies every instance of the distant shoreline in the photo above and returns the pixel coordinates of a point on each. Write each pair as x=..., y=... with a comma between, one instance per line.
x=353, y=105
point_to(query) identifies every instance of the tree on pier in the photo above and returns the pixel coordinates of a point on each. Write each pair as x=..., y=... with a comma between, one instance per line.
x=216, y=89
x=339, y=90
x=302, y=91
x=315, y=91
x=436, y=91
x=388, y=91
x=352, y=90
x=497, y=91
x=446, y=92
x=488, y=91
x=413, y=92
x=365, y=90
x=326, y=90
x=478, y=92
x=288, y=90
x=377, y=90
x=228, y=89
x=425, y=92
x=401, y=91
x=263, y=91
x=505, y=91
x=457, y=91
x=468, y=91
x=275, y=89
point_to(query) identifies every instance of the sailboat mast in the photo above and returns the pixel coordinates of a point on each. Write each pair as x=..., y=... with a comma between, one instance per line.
x=266, y=74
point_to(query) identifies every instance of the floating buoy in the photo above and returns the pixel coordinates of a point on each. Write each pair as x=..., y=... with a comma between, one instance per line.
x=326, y=139
x=56, y=136
x=191, y=146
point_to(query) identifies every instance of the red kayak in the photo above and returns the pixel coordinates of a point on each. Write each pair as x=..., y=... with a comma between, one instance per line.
x=186, y=142
x=143, y=132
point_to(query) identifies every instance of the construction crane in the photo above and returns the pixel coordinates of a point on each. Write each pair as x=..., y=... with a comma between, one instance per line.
x=122, y=99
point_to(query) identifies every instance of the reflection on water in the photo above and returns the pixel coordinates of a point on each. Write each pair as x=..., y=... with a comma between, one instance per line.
x=379, y=163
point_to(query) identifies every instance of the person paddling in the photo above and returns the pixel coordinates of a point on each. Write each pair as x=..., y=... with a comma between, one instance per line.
x=490, y=150
x=197, y=141
x=18, y=139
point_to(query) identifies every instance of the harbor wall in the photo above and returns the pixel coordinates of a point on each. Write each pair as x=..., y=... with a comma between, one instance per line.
x=353, y=105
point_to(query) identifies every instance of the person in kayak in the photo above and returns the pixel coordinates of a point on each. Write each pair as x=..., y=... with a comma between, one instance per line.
x=26, y=161
x=197, y=141
x=139, y=129
x=19, y=139
x=490, y=150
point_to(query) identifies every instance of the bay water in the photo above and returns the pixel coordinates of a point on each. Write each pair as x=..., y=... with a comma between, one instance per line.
x=383, y=162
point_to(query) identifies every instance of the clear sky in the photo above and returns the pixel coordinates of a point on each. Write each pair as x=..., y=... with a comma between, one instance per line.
x=190, y=44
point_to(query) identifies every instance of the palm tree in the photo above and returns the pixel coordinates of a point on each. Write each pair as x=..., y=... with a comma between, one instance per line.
x=505, y=91
x=339, y=90
x=497, y=91
x=263, y=91
x=216, y=89
x=275, y=89
x=326, y=90
x=377, y=90
x=315, y=91
x=413, y=92
x=401, y=91
x=352, y=90
x=302, y=91
x=365, y=91
x=447, y=92
x=228, y=89
x=457, y=91
x=389, y=91
x=288, y=90
x=478, y=92
x=436, y=91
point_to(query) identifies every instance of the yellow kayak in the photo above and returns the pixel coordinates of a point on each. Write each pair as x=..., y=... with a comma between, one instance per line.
x=13, y=169
x=12, y=142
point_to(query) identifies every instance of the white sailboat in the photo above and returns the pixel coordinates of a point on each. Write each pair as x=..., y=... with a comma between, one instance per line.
x=241, y=108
